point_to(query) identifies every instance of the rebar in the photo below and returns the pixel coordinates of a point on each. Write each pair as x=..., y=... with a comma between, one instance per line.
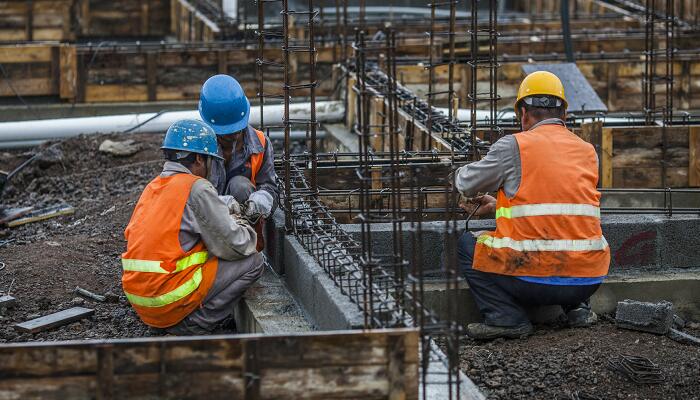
x=488, y=62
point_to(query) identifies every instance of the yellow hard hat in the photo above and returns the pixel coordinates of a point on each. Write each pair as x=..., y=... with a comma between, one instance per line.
x=541, y=83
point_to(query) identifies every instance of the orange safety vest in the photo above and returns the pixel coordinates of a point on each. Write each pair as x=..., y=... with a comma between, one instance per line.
x=162, y=282
x=256, y=159
x=551, y=227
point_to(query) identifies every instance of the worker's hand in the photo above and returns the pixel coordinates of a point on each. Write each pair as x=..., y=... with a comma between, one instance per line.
x=486, y=203
x=259, y=204
x=233, y=207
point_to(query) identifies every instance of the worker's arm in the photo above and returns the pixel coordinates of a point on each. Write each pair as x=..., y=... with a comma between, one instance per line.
x=222, y=235
x=266, y=182
x=499, y=168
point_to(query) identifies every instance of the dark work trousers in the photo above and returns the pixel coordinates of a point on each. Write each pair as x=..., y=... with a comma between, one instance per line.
x=500, y=298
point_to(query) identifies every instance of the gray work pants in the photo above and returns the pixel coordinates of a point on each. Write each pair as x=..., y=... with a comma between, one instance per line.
x=232, y=280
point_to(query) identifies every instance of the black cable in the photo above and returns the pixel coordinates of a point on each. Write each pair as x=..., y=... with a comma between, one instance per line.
x=133, y=128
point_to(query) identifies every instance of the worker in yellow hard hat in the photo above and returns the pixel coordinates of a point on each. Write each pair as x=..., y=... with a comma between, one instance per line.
x=548, y=247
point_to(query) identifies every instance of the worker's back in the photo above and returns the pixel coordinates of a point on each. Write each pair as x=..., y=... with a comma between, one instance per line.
x=551, y=226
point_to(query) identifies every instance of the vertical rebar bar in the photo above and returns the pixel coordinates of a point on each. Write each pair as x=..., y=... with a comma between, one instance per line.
x=312, y=96
x=285, y=119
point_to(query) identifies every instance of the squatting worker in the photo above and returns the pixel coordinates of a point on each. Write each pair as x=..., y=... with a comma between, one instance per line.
x=189, y=257
x=246, y=170
x=548, y=247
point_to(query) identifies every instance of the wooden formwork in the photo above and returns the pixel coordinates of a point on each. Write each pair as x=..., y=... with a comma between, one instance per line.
x=39, y=70
x=188, y=25
x=23, y=20
x=124, y=18
x=377, y=364
x=538, y=7
x=634, y=157
x=618, y=82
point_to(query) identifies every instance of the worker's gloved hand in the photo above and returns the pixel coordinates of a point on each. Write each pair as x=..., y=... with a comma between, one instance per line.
x=485, y=202
x=233, y=207
x=259, y=205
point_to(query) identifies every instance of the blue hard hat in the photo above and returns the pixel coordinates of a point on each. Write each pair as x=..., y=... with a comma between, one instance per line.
x=192, y=136
x=223, y=105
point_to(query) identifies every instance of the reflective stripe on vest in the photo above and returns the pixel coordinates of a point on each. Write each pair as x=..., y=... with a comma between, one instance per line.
x=535, y=210
x=543, y=244
x=154, y=266
x=181, y=292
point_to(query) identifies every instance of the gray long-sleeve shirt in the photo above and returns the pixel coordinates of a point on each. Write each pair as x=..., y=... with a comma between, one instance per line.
x=206, y=217
x=500, y=167
x=265, y=179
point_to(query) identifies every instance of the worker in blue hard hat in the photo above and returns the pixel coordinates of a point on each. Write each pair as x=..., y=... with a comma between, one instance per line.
x=247, y=171
x=189, y=255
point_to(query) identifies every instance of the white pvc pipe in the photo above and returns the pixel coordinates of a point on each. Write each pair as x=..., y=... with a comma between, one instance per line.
x=41, y=130
x=464, y=114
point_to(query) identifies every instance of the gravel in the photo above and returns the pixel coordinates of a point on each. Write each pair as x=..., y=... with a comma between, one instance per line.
x=558, y=362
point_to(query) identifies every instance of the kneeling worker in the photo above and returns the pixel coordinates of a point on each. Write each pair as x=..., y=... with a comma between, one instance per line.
x=548, y=247
x=246, y=170
x=188, y=258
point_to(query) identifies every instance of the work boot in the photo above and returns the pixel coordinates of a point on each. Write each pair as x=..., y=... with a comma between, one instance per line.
x=487, y=332
x=581, y=317
x=187, y=328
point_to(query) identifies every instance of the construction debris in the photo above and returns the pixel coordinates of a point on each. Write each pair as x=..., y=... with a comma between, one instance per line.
x=121, y=149
x=54, y=320
x=40, y=215
x=646, y=317
x=10, y=214
x=88, y=294
x=6, y=302
x=682, y=337
x=637, y=369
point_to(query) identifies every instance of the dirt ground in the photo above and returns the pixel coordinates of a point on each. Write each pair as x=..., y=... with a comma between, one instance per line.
x=48, y=259
x=555, y=363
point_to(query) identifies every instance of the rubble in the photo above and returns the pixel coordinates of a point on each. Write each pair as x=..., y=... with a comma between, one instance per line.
x=121, y=149
x=642, y=316
x=682, y=337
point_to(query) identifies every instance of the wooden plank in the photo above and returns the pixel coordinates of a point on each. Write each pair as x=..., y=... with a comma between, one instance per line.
x=115, y=93
x=29, y=20
x=694, y=156
x=54, y=320
x=28, y=87
x=85, y=17
x=42, y=214
x=25, y=54
x=7, y=301
x=606, y=150
x=222, y=56
x=68, y=72
x=223, y=367
x=145, y=11
x=353, y=382
x=151, y=78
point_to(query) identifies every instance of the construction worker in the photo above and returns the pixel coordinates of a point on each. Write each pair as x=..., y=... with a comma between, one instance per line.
x=246, y=170
x=548, y=247
x=189, y=257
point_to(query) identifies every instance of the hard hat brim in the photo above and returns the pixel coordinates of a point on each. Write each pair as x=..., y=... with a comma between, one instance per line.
x=183, y=148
